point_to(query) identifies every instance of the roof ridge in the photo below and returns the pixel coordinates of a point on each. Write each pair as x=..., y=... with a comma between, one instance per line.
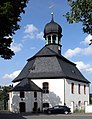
x=30, y=86
x=52, y=50
x=37, y=54
x=61, y=56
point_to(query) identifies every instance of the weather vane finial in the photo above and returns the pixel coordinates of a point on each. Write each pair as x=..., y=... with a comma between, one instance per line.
x=51, y=8
x=52, y=16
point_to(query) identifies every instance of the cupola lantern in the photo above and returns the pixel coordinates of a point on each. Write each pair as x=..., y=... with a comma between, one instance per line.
x=53, y=34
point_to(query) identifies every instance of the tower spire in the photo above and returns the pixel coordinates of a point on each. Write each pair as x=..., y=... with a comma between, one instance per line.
x=52, y=17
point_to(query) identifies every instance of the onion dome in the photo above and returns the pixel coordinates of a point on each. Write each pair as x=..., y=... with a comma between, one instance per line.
x=52, y=27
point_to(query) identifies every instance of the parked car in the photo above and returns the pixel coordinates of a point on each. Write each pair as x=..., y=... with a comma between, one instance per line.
x=58, y=109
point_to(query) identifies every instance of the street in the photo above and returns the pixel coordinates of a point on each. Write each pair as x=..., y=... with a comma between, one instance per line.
x=8, y=115
x=60, y=116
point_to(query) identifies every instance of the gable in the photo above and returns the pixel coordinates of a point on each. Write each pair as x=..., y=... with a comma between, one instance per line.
x=26, y=85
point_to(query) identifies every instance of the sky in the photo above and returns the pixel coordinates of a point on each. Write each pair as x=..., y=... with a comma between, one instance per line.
x=29, y=39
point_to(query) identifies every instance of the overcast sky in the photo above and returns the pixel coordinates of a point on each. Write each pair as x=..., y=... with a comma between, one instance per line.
x=29, y=39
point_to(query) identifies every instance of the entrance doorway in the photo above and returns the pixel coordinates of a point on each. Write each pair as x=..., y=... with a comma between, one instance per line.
x=22, y=107
x=35, y=109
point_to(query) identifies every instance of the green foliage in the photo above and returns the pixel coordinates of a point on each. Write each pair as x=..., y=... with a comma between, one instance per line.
x=4, y=97
x=81, y=11
x=79, y=111
x=10, y=11
x=90, y=98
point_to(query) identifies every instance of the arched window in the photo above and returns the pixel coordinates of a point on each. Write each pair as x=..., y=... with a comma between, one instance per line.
x=72, y=88
x=45, y=87
x=79, y=103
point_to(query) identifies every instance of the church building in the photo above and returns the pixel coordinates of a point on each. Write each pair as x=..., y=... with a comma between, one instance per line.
x=49, y=79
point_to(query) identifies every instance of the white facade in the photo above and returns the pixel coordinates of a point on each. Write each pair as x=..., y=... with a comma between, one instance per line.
x=76, y=99
x=56, y=90
x=60, y=93
x=88, y=109
x=28, y=100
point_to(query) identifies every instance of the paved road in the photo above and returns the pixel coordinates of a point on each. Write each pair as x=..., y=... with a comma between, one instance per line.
x=8, y=115
x=60, y=116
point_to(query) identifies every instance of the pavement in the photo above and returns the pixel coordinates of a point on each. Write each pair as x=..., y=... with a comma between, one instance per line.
x=9, y=115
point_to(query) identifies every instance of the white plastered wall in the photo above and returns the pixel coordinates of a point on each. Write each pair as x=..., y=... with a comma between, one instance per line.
x=14, y=100
x=76, y=97
x=56, y=91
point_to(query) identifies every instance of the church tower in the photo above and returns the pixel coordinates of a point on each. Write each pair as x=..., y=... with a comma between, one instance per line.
x=52, y=35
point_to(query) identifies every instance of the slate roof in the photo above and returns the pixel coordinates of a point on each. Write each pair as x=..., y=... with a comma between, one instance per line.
x=26, y=85
x=47, y=64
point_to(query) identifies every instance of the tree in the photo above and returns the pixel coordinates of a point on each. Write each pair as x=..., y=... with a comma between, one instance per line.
x=10, y=11
x=81, y=11
x=4, y=96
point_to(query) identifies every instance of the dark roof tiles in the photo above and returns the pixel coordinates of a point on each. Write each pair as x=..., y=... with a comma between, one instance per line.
x=49, y=64
x=26, y=85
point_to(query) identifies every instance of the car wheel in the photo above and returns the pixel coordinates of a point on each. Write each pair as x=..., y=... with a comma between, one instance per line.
x=49, y=112
x=66, y=112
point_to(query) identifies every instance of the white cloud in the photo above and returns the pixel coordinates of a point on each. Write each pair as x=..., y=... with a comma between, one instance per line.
x=30, y=28
x=40, y=35
x=83, y=51
x=31, y=32
x=87, y=40
x=70, y=53
x=16, y=47
x=12, y=75
x=33, y=48
x=28, y=36
x=87, y=51
x=85, y=67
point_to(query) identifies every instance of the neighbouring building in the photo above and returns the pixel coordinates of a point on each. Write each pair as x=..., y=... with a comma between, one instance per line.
x=25, y=97
x=51, y=77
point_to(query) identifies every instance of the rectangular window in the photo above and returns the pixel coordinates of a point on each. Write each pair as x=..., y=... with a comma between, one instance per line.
x=22, y=95
x=84, y=89
x=35, y=94
x=72, y=88
x=79, y=88
x=45, y=87
x=49, y=39
x=54, y=38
